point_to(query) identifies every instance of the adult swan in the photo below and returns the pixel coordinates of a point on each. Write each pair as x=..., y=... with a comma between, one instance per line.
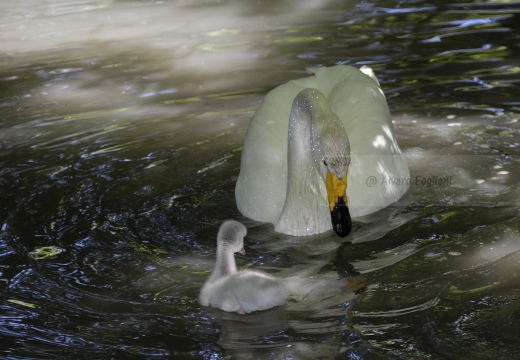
x=307, y=140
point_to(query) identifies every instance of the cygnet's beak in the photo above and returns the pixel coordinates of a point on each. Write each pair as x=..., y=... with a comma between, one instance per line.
x=242, y=252
x=338, y=204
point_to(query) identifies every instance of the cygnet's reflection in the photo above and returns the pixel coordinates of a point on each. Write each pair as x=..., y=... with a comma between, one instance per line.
x=277, y=330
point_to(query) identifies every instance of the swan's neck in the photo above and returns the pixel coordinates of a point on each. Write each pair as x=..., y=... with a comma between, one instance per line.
x=305, y=207
x=225, y=263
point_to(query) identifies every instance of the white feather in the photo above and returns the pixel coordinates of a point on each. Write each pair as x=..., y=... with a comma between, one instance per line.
x=356, y=98
x=242, y=291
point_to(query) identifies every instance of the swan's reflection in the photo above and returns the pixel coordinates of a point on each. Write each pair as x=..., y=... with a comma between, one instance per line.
x=244, y=331
x=268, y=334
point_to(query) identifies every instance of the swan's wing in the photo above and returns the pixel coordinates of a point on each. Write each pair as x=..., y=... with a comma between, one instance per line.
x=361, y=105
x=244, y=292
x=256, y=291
x=262, y=182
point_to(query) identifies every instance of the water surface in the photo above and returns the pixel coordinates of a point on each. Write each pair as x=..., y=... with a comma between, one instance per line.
x=121, y=131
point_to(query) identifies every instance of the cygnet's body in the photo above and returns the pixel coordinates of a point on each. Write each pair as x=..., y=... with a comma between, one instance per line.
x=242, y=291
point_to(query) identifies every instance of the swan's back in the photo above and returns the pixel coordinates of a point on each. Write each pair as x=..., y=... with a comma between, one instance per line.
x=244, y=292
x=361, y=106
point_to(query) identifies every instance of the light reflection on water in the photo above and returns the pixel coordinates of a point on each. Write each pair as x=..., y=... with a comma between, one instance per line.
x=122, y=125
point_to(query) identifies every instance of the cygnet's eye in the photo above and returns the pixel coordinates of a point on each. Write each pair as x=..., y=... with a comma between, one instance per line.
x=325, y=162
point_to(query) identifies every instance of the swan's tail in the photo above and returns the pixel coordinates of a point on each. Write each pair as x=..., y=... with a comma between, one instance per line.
x=322, y=288
x=307, y=284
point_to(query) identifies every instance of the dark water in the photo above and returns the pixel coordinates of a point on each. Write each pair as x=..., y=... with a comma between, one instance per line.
x=121, y=131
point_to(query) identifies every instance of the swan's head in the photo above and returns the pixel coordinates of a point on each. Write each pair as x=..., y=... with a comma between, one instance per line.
x=336, y=185
x=231, y=236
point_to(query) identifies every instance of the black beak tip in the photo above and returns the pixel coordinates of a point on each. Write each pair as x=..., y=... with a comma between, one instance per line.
x=341, y=221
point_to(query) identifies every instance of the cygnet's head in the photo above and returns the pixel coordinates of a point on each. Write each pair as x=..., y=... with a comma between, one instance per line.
x=231, y=236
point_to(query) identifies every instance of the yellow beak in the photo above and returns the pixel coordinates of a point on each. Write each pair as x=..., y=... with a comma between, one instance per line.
x=336, y=188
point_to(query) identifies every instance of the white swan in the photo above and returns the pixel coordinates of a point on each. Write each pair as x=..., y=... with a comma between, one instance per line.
x=295, y=143
x=239, y=291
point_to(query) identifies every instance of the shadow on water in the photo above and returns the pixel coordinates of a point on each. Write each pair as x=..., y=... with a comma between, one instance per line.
x=120, y=142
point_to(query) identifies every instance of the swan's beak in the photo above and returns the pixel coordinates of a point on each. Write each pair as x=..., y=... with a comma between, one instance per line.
x=242, y=252
x=338, y=204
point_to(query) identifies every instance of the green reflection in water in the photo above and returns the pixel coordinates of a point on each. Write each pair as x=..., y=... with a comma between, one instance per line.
x=45, y=252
